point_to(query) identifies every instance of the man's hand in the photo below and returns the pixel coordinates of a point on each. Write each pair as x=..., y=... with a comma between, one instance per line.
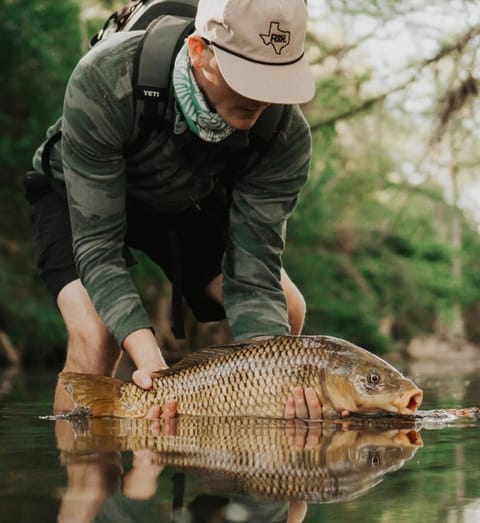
x=142, y=347
x=143, y=379
x=169, y=410
x=143, y=376
x=141, y=481
x=303, y=435
x=304, y=404
x=147, y=357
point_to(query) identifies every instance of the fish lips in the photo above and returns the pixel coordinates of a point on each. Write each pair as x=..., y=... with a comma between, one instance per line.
x=405, y=404
x=408, y=403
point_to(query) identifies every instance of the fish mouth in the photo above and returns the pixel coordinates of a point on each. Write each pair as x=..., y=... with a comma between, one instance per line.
x=408, y=403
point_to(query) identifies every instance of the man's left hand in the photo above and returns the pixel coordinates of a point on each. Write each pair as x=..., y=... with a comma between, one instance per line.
x=304, y=404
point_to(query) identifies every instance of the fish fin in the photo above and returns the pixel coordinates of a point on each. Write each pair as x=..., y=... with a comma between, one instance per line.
x=242, y=344
x=209, y=353
x=98, y=394
x=200, y=357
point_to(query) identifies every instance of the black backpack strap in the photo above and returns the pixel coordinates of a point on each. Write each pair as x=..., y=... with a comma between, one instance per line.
x=178, y=327
x=47, y=151
x=57, y=185
x=156, y=8
x=265, y=131
x=152, y=71
x=262, y=137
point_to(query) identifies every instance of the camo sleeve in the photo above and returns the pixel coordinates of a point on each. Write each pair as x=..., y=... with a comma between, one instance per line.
x=98, y=115
x=262, y=202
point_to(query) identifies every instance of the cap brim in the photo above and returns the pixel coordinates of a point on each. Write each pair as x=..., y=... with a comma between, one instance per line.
x=277, y=84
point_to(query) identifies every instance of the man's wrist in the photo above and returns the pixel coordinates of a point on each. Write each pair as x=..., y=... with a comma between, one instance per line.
x=143, y=349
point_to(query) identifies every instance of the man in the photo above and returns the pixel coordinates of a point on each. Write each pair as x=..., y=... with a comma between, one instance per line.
x=228, y=227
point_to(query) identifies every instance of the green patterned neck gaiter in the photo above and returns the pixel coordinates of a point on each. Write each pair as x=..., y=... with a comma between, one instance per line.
x=200, y=119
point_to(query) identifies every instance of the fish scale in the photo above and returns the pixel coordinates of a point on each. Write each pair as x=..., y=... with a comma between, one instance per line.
x=256, y=379
x=238, y=381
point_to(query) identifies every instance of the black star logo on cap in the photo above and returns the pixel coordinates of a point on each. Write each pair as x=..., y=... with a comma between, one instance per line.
x=276, y=37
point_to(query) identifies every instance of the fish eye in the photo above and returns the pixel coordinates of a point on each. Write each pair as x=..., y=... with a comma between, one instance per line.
x=374, y=459
x=373, y=378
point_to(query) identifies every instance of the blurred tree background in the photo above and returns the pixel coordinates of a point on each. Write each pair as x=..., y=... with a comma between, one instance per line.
x=384, y=243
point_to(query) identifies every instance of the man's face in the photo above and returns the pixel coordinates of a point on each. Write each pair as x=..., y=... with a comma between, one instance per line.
x=239, y=112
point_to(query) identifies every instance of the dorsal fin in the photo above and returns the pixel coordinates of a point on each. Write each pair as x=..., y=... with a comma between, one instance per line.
x=200, y=357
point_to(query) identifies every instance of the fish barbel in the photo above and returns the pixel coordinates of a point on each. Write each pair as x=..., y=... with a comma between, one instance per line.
x=256, y=456
x=256, y=379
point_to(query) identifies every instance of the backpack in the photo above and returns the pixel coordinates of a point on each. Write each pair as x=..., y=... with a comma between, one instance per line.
x=166, y=24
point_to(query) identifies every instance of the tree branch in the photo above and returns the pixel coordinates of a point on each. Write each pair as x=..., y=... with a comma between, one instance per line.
x=457, y=46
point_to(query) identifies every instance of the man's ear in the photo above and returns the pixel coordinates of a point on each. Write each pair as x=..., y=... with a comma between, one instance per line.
x=196, y=50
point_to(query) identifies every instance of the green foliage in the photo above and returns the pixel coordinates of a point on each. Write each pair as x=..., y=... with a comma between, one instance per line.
x=470, y=289
x=40, y=42
x=364, y=245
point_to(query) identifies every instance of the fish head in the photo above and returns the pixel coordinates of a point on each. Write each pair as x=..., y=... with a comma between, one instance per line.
x=386, y=451
x=364, y=383
x=372, y=451
x=357, y=460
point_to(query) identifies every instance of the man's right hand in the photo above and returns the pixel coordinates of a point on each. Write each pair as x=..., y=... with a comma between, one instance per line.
x=147, y=357
x=143, y=379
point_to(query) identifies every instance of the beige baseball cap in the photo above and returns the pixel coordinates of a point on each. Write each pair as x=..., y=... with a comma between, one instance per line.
x=259, y=47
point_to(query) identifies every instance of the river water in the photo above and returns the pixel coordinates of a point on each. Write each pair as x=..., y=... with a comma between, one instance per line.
x=213, y=471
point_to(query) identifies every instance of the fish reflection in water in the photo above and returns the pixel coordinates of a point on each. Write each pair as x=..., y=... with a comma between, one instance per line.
x=271, y=460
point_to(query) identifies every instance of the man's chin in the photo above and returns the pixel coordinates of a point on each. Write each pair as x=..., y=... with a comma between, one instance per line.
x=243, y=126
x=243, y=120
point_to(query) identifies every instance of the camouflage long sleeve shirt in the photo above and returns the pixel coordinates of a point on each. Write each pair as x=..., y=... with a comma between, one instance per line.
x=97, y=124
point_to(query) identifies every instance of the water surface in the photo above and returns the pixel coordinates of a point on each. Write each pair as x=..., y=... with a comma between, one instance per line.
x=250, y=470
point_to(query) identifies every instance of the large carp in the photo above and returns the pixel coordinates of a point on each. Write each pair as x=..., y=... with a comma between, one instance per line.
x=255, y=379
x=256, y=456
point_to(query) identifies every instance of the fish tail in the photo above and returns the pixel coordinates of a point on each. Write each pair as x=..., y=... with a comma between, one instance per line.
x=98, y=394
